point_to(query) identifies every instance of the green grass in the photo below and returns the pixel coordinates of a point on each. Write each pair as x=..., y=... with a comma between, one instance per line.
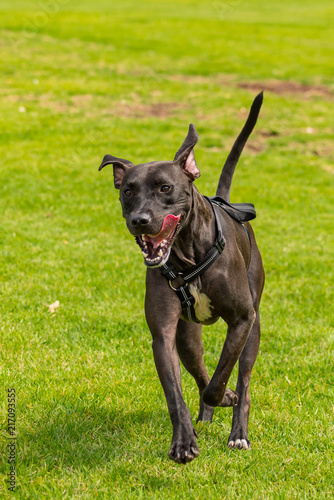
x=81, y=79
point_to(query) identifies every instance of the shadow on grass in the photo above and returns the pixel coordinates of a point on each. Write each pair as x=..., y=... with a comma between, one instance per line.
x=84, y=437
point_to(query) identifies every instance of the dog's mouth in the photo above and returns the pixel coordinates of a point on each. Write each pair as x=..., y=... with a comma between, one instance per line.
x=156, y=248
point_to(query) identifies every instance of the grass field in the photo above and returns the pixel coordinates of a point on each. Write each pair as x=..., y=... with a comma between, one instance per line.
x=80, y=79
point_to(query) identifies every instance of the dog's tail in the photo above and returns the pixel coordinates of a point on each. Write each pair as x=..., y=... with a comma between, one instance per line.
x=225, y=181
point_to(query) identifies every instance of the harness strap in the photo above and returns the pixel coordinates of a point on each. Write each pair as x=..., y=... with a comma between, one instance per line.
x=241, y=212
x=247, y=232
x=210, y=257
x=245, y=212
x=186, y=298
x=238, y=211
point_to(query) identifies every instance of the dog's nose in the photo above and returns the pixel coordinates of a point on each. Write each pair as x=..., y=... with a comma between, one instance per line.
x=140, y=220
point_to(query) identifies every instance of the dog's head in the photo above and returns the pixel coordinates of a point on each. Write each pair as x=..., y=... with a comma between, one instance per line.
x=156, y=198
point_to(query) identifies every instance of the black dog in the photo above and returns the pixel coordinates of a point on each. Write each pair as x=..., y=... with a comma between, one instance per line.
x=203, y=264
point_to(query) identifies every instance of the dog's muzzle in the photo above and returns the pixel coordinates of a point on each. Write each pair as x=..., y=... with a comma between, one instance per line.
x=156, y=248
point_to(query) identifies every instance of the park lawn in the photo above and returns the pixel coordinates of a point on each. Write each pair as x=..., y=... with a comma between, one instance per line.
x=82, y=79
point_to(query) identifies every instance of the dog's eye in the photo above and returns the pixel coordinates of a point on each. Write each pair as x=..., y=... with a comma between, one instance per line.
x=127, y=192
x=165, y=188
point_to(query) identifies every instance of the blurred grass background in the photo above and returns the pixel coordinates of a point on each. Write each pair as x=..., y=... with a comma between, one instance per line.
x=82, y=79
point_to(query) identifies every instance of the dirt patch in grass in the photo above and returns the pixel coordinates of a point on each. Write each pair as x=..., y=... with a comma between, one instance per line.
x=51, y=102
x=223, y=79
x=131, y=108
x=280, y=87
x=288, y=88
x=259, y=142
x=328, y=168
x=139, y=110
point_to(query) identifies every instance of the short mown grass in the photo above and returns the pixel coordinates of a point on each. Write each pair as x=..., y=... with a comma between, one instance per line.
x=82, y=79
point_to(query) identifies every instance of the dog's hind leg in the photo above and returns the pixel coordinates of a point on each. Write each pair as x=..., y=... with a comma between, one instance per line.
x=190, y=349
x=239, y=434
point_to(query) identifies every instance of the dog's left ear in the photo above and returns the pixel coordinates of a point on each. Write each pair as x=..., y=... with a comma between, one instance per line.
x=185, y=156
x=120, y=167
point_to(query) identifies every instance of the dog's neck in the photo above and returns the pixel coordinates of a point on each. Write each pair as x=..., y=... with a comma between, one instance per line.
x=197, y=235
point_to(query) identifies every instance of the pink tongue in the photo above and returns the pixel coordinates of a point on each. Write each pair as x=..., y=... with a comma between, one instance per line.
x=168, y=225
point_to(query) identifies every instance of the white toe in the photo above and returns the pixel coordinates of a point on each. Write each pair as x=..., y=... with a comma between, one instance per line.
x=245, y=445
x=239, y=443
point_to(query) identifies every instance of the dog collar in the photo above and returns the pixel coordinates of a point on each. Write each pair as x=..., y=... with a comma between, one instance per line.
x=238, y=211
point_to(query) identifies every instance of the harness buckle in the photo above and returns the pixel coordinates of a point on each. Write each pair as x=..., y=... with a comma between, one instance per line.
x=188, y=302
x=171, y=283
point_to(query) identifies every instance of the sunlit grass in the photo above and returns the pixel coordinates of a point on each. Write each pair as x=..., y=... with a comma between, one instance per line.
x=92, y=421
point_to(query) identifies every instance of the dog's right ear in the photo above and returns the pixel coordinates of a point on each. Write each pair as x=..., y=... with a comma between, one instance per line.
x=185, y=155
x=120, y=167
x=189, y=142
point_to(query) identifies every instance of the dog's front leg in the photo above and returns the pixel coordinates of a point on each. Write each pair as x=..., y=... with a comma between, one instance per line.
x=183, y=448
x=162, y=315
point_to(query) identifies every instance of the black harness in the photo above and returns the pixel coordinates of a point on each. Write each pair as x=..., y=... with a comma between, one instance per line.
x=241, y=212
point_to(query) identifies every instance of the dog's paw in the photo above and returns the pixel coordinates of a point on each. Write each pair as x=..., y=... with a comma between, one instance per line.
x=239, y=439
x=241, y=444
x=230, y=398
x=184, y=448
